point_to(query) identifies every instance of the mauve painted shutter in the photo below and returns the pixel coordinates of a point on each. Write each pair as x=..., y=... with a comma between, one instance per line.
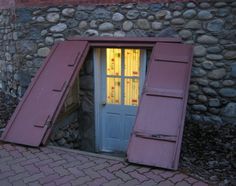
x=157, y=134
x=41, y=103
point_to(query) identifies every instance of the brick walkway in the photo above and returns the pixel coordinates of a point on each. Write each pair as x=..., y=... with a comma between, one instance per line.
x=56, y=166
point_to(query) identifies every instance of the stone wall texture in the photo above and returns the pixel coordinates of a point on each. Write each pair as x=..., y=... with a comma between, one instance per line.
x=27, y=34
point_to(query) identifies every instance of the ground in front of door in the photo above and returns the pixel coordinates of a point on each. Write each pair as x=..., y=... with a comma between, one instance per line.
x=57, y=166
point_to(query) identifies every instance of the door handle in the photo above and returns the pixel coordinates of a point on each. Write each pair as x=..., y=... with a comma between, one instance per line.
x=104, y=103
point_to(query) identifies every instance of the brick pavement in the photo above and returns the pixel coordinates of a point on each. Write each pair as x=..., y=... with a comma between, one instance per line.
x=51, y=166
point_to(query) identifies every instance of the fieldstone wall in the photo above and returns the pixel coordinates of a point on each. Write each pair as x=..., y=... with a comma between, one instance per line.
x=210, y=26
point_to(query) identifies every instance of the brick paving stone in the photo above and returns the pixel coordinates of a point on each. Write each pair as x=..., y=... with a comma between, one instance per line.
x=76, y=172
x=154, y=177
x=35, y=183
x=46, y=170
x=4, y=168
x=6, y=174
x=50, y=184
x=116, y=167
x=157, y=171
x=129, y=168
x=55, y=156
x=183, y=183
x=191, y=180
x=165, y=183
x=100, y=166
x=30, y=161
x=33, y=177
x=72, y=164
x=19, y=183
x=80, y=181
x=64, y=179
x=5, y=183
x=57, y=163
x=125, y=177
x=17, y=168
x=15, y=154
x=177, y=178
x=87, y=165
x=49, y=178
x=91, y=173
x=114, y=182
x=44, y=162
x=199, y=183
x=148, y=183
x=8, y=147
x=143, y=169
x=16, y=161
x=132, y=182
x=61, y=171
x=5, y=159
x=19, y=176
x=106, y=174
x=138, y=176
x=32, y=169
x=96, y=182
x=168, y=174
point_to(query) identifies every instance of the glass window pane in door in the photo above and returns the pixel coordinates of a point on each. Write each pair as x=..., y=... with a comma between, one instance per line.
x=132, y=62
x=113, y=90
x=131, y=91
x=113, y=59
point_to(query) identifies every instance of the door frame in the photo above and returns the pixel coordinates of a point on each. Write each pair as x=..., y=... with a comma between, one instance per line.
x=98, y=59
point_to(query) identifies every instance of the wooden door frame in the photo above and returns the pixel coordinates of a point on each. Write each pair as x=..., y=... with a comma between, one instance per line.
x=121, y=42
x=98, y=59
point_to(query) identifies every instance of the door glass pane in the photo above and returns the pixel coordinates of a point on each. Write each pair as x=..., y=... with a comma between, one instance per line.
x=113, y=61
x=131, y=91
x=113, y=90
x=132, y=62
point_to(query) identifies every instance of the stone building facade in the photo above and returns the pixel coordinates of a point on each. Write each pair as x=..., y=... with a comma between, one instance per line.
x=27, y=34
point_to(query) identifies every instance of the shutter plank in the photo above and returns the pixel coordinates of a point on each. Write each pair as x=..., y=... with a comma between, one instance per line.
x=157, y=133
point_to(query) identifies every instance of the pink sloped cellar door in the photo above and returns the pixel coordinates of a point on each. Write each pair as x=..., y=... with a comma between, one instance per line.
x=157, y=133
x=37, y=110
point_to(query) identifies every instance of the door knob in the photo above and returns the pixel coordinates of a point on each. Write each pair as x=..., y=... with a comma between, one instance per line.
x=104, y=103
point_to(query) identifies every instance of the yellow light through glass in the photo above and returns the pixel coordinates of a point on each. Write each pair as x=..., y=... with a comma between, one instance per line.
x=126, y=77
x=131, y=91
x=132, y=62
x=113, y=61
x=113, y=90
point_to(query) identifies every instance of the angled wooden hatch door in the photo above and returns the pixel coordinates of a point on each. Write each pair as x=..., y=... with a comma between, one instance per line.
x=41, y=103
x=157, y=133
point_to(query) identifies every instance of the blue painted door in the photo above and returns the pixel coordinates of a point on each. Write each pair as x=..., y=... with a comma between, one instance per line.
x=122, y=79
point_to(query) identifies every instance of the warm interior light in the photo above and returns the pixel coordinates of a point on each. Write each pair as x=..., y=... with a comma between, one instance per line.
x=122, y=71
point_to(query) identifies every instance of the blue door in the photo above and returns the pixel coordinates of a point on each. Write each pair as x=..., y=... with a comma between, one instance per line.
x=123, y=72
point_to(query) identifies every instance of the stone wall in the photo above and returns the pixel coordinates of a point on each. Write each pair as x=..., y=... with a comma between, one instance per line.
x=210, y=26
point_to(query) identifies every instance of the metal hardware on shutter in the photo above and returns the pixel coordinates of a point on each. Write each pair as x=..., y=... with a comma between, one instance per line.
x=164, y=92
x=60, y=88
x=72, y=63
x=163, y=137
x=45, y=123
x=170, y=61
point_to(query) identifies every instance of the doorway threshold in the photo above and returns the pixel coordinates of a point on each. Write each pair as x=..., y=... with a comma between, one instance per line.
x=94, y=154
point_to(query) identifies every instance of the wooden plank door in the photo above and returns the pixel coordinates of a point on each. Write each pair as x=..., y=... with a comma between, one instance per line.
x=157, y=134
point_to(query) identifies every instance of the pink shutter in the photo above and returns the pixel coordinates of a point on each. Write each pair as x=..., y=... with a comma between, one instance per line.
x=157, y=134
x=38, y=108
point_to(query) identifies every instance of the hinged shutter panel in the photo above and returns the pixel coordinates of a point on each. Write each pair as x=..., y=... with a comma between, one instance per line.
x=36, y=112
x=157, y=133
